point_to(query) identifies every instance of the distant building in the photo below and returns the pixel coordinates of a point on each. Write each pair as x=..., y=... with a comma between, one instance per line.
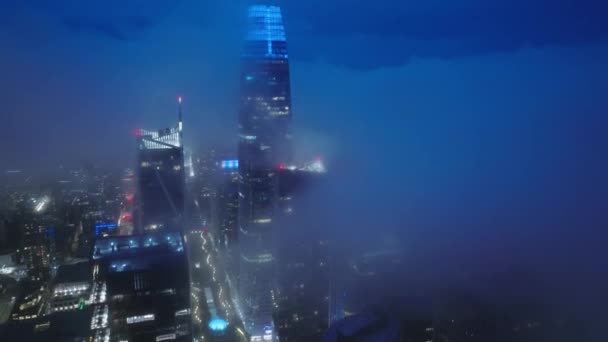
x=228, y=198
x=4, y=243
x=358, y=277
x=38, y=239
x=160, y=174
x=60, y=326
x=303, y=292
x=71, y=288
x=204, y=191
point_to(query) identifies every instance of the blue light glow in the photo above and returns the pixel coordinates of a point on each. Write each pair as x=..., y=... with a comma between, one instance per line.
x=106, y=225
x=230, y=164
x=266, y=32
x=265, y=24
x=218, y=324
x=118, y=245
x=99, y=227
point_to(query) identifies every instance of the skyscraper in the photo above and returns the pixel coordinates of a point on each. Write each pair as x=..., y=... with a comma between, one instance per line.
x=303, y=286
x=264, y=143
x=160, y=173
x=146, y=275
x=228, y=198
x=36, y=239
x=142, y=288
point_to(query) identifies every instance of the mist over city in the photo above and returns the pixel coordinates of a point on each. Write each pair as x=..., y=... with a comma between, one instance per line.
x=205, y=170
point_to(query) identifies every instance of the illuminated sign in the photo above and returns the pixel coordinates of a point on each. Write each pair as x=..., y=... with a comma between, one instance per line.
x=139, y=319
x=230, y=164
x=99, y=227
x=105, y=225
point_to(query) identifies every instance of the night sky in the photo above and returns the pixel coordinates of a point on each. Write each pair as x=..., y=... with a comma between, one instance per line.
x=474, y=130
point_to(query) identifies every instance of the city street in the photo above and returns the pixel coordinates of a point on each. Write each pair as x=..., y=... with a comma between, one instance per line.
x=209, y=278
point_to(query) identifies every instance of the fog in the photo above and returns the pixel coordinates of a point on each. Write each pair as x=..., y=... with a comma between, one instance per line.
x=485, y=168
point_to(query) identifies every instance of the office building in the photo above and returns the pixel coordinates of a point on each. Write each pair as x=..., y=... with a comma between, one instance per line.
x=264, y=143
x=37, y=238
x=228, y=202
x=160, y=173
x=303, y=280
x=142, y=288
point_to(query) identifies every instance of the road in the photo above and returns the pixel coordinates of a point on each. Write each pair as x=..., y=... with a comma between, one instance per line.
x=208, y=273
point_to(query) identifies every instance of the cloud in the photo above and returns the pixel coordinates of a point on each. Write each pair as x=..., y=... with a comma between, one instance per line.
x=114, y=19
x=366, y=35
x=114, y=28
x=94, y=25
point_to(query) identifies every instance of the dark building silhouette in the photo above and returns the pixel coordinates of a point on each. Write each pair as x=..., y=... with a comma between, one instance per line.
x=38, y=238
x=142, y=287
x=303, y=281
x=160, y=173
x=228, y=196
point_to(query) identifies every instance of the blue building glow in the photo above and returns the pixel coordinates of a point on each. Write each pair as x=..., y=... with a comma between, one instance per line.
x=230, y=164
x=218, y=325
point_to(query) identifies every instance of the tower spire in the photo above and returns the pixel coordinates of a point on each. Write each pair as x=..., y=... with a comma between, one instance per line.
x=180, y=125
x=179, y=112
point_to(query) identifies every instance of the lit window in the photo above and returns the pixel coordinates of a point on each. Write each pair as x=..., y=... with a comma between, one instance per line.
x=139, y=319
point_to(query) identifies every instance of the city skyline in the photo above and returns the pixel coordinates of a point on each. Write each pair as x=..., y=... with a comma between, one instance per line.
x=458, y=158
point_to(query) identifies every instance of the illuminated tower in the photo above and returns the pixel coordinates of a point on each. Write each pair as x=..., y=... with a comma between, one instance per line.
x=264, y=143
x=161, y=177
x=37, y=249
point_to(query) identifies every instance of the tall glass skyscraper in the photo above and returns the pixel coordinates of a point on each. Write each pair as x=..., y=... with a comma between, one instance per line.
x=264, y=144
x=160, y=174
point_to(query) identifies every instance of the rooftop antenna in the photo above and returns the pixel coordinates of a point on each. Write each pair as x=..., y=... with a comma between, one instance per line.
x=180, y=124
x=179, y=112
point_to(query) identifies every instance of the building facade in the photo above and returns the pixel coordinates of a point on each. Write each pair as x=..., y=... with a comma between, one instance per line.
x=142, y=287
x=303, y=281
x=264, y=143
x=160, y=174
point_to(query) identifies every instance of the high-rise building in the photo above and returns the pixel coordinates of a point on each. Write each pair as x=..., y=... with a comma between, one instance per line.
x=3, y=233
x=203, y=190
x=36, y=239
x=160, y=173
x=264, y=143
x=142, y=288
x=228, y=198
x=36, y=249
x=303, y=285
x=141, y=281
x=228, y=214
